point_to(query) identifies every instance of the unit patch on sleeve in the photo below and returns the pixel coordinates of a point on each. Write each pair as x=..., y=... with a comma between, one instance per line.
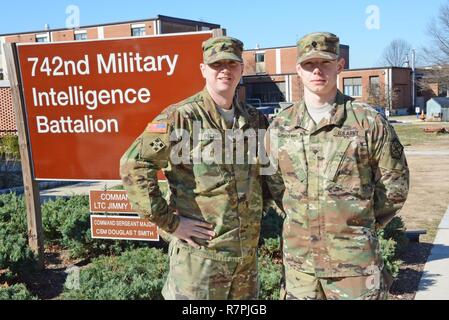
x=396, y=149
x=157, y=145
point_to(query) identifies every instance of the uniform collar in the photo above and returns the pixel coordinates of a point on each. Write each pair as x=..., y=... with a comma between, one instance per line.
x=301, y=118
x=241, y=115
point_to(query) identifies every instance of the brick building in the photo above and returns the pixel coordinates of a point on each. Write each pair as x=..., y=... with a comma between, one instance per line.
x=270, y=76
x=388, y=87
x=153, y=26
x=7, y=115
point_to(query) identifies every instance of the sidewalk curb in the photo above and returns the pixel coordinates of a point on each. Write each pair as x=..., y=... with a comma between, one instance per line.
x=434, y=283
x=43, y=185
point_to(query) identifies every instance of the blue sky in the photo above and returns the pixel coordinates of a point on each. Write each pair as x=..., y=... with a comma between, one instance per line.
x=263, y=23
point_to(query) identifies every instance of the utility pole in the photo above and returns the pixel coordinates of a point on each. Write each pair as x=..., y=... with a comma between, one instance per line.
x=413, y=58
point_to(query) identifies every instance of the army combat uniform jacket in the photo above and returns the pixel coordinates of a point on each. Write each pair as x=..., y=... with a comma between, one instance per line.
x=226, y=194
x=342, y=179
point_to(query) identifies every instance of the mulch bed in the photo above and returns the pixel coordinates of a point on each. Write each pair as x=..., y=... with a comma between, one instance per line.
x=414, y=258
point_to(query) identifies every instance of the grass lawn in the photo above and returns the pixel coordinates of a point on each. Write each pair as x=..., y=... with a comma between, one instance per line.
x=412, y=134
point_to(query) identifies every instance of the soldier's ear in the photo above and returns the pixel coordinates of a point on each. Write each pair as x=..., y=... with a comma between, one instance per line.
x=298, y=69
x=203, y=69
x=340, y=65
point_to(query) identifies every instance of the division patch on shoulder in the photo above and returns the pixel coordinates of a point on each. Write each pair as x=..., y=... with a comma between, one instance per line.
x=396, y=149
x=157, y=145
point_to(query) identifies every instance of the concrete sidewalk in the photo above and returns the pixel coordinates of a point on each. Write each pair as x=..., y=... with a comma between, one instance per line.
x=434, y=284
x=81, y=188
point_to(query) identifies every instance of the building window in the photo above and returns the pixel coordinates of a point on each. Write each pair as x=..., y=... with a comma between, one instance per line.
x=267, y=92
x=260, y=62
x=42, y=38
x=443, y=90
x=80, y=35
x=353, y=87
x=374, y=85
x=171, y=27
x=2, y=76
x=137, y=30
x=260, y=57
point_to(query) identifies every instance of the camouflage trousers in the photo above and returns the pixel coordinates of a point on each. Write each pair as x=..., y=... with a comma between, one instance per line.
x=305, y=286
x=196, y=275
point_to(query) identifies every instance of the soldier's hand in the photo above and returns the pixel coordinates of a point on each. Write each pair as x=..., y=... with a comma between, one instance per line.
x=188, y=228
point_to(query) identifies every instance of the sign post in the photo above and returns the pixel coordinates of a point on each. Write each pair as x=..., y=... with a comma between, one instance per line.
x=86, y=101
x=116, y=226
x=31, y=186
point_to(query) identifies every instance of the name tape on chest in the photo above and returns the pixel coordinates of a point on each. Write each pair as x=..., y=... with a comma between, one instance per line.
x=349, y=133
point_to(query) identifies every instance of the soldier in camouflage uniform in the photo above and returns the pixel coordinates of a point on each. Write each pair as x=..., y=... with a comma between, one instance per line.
x=214, y=209
x=343, y=175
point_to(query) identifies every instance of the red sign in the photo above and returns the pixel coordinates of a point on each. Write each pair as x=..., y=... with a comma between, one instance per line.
x=123, y=228
x=111, y=201
x=86, y=101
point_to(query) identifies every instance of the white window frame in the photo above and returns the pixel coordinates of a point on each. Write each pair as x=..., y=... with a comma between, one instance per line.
x=84, y=32
x=138, y=26
x=259, y=53
x=353, y=90
x=260, y=66
x=43, y=36
x=374, y=87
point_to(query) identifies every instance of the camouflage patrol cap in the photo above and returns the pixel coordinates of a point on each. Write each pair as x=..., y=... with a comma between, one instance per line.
x=323, y=45
x=222, y=48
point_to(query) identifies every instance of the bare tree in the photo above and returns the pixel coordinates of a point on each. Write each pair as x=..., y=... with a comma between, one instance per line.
x=395, y=53
x=437, y=53
x=438, y=30
x=378, y=96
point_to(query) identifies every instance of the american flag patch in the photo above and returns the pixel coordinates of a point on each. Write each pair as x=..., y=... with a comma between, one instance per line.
x=157, y=128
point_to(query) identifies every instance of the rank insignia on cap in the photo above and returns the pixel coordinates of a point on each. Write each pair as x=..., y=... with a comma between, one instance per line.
x=157, y=145
x=157, y=128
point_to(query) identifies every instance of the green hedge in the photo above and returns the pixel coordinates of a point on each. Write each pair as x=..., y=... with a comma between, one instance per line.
x=136, y=274
x=16, y=292
x=141, y=273
x=393, y=242
x=15, y=254
x=270, y=269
